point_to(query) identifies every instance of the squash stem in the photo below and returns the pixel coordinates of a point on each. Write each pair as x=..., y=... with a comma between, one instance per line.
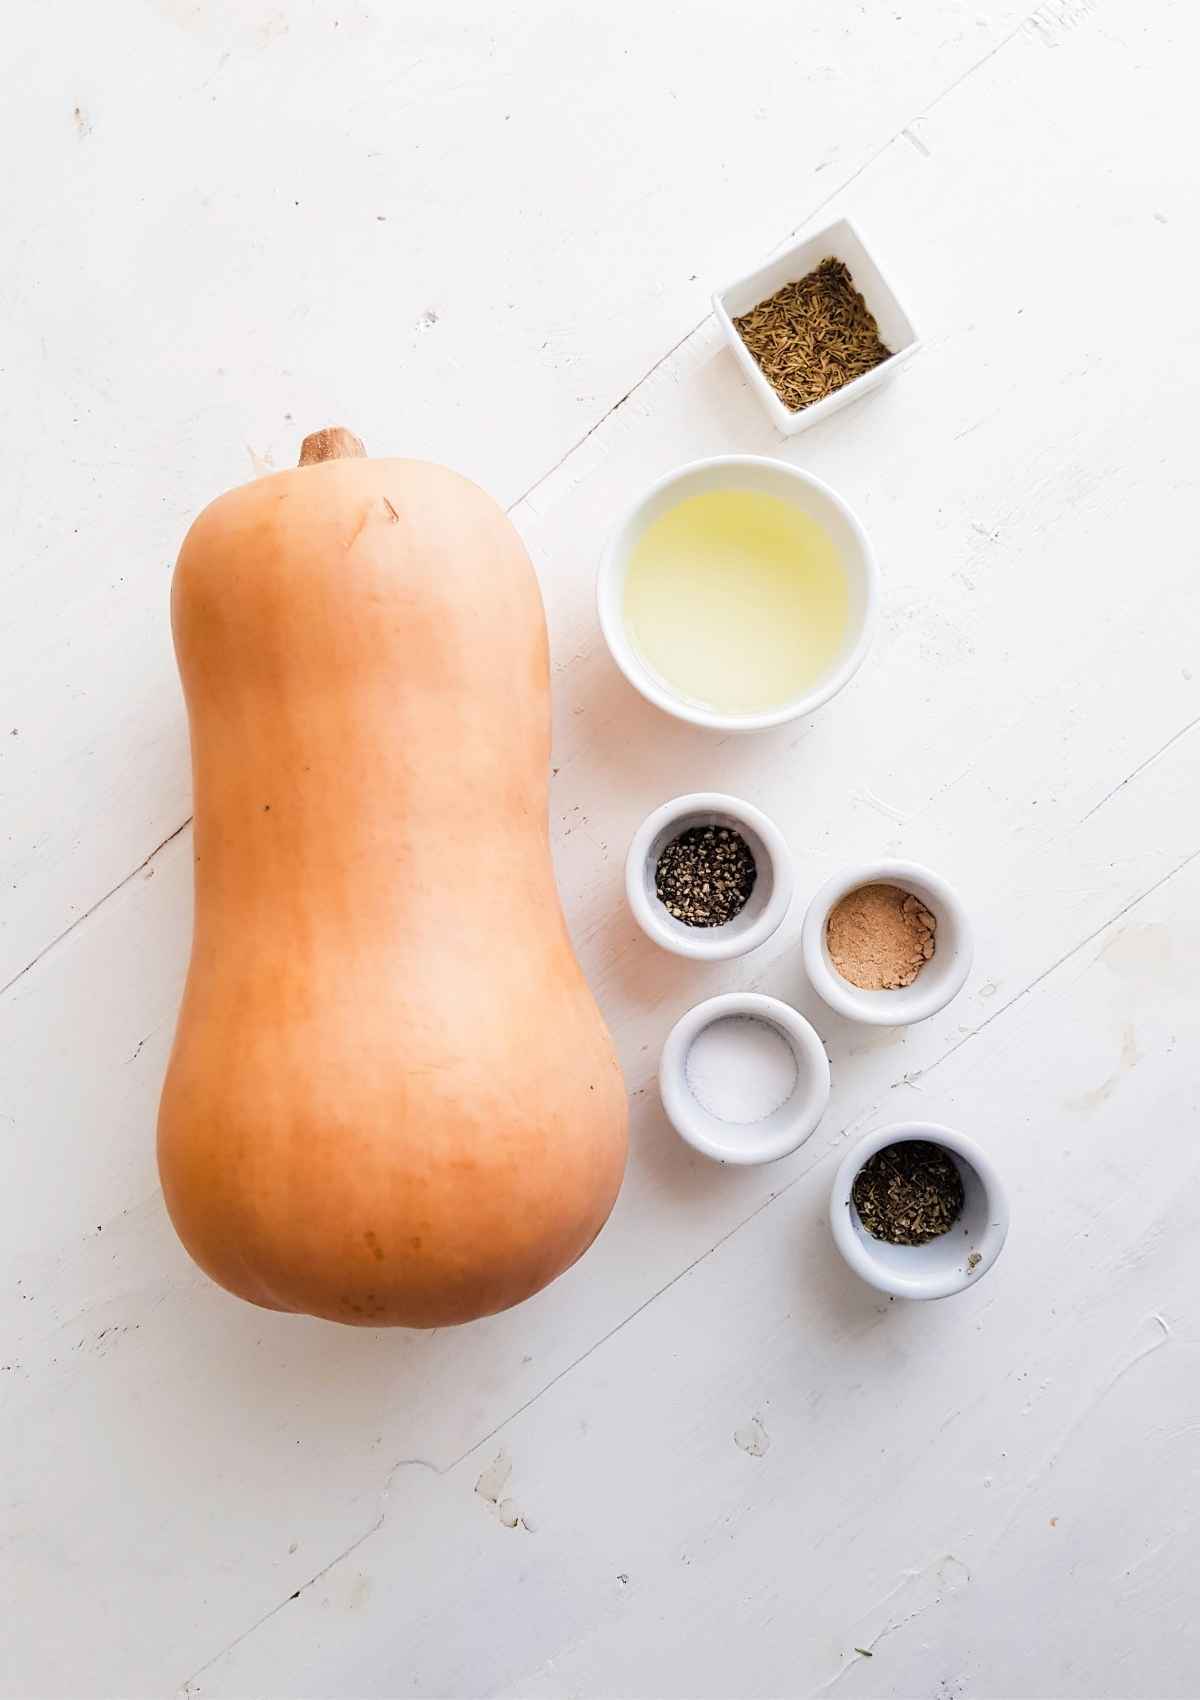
x=333, y=443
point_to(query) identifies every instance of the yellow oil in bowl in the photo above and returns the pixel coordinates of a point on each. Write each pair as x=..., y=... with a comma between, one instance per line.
x=736, y=601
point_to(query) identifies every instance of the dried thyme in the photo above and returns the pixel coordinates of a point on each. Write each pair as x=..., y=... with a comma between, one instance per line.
x=813, y=336
x=705, y=876
x=908, y=1193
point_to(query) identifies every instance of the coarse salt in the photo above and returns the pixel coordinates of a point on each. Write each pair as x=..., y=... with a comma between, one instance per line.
x=741, y=1069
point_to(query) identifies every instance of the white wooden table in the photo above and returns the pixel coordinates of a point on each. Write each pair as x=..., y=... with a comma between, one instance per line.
x=486, y=234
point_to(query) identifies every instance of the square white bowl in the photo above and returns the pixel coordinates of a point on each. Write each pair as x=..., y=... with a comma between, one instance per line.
x=840, y=241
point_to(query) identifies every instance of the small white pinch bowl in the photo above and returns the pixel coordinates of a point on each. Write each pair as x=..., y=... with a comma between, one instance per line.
x=841, y=241
x=941, y=979
x=944, y=1266
x=769, y=901
x=772, y=478
x=776, y=1135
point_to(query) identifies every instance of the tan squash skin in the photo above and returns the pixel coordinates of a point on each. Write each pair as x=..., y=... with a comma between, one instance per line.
x=391, y=1097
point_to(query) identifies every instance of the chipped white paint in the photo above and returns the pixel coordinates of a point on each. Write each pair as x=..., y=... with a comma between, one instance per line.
x=753, y=1438
x=470, y=232
x=493, y=1481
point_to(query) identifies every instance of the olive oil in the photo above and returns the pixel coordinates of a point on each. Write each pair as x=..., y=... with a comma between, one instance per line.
x=736, y=601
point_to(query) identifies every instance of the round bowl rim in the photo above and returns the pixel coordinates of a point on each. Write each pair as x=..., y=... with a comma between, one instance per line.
x=812, y=1087
x=858, y=1254
x=626, y=658
x=709, y=944
x=906, y=1004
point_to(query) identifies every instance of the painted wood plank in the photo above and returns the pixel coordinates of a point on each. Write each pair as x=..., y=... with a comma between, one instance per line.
x=1028, y=725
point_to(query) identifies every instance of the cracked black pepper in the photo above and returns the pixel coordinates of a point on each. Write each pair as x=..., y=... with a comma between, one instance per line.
x=705, y=876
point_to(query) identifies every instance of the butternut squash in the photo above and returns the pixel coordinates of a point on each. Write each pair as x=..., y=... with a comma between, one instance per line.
x=391, y=1097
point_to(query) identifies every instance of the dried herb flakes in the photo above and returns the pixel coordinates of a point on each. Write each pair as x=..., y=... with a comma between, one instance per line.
x=908, y=1193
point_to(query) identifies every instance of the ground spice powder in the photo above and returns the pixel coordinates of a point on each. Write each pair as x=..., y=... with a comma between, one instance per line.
x=880, y=937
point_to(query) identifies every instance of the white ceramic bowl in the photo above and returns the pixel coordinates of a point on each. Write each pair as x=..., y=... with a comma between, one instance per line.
x=769, y=901
x=840, y=241
x=940, y=979
x=775, y=1135
x=944, y=1266
x=773, y=478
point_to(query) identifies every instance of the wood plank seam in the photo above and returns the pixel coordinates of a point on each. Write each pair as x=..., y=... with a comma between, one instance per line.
x=98, y=904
